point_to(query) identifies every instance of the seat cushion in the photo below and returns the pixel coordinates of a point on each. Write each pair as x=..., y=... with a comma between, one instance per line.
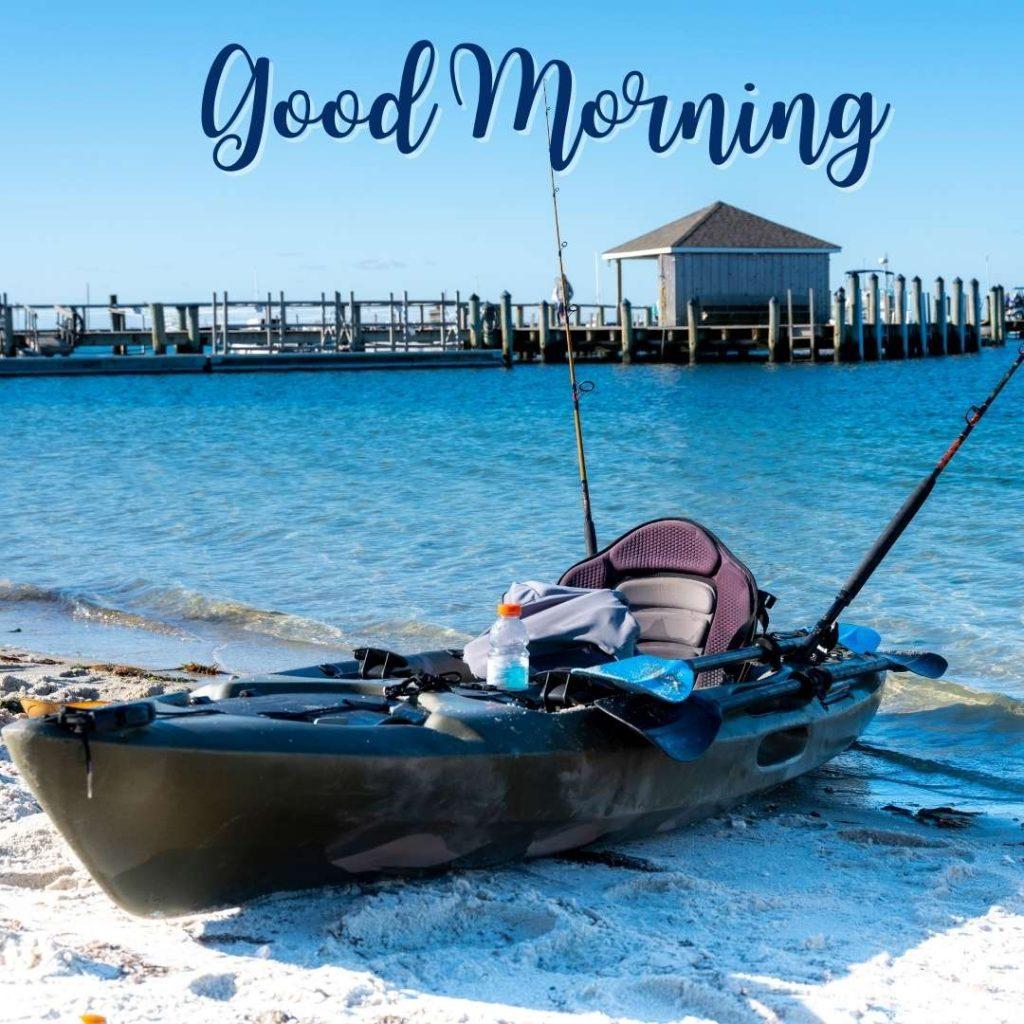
x=674, y=613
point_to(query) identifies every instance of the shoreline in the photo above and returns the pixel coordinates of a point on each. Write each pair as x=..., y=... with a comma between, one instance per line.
x=808, y=903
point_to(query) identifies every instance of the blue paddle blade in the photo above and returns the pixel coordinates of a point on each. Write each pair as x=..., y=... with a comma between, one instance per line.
x=921, y=663
x=859, y=639
x=665, y=679
x=683, y=731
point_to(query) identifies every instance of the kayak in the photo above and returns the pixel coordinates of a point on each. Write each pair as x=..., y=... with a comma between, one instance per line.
x=387, y=764
x=308, y=780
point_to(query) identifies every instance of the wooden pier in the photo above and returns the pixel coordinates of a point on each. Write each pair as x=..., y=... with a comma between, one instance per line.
x=867, y=322
x=865, y=325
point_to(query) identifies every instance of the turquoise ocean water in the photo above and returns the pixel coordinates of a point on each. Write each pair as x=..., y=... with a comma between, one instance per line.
x=270, y=520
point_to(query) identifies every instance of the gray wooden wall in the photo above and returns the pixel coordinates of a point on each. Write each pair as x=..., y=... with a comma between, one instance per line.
x=740, y=279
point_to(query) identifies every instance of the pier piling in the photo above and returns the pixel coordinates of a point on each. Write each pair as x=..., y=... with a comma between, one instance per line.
x=839, y=341
x=918, y=337
x=693, y=330
x=957, y=341
x=544, y=333
x=940, y=334
x=811, y=326
x=628, y=337
x=773, y=329
x=873, y=334
x=195, y=339
x=790, y=340
x=902, y=343
x=507, y=330
x=158, y=330
x=7, y=322
x=857, y=314
x=116, y=316
x=476, y=329
x=356, y=342
x=117, y=323
x=974, y=333
x=885, y=345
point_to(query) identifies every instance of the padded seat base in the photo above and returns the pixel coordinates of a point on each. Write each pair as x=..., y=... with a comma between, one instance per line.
x=674, y=613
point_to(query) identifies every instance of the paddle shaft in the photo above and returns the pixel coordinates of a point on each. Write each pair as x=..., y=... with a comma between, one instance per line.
x=727, y=659
x=589, y=533
x=903, y=517
x=792, y=683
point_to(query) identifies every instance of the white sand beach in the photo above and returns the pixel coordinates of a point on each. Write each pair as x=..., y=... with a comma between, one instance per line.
x=808, y=905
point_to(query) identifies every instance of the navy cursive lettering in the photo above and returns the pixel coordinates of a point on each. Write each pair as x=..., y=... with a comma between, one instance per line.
x=845, y=134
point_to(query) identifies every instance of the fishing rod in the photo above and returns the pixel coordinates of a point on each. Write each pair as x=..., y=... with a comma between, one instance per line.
x=812, y=646
x=589, y=533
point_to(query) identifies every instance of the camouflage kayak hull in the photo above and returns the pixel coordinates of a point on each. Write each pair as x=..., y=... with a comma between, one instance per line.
x=210, y=805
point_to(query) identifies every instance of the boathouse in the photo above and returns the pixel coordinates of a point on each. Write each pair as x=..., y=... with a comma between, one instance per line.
x=733, y=262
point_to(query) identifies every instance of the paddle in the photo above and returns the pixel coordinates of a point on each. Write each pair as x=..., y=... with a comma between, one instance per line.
x=685, y=730
x=673, y=680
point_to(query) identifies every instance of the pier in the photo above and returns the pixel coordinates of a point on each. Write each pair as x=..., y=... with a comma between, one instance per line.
x=868, y=321
x=731, y=285
x=866, y=324
x=225, y=335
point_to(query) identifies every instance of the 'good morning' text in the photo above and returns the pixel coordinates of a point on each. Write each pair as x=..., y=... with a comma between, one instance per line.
x=238, y=111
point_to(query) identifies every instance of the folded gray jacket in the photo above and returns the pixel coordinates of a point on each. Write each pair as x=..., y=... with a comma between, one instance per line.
x=561, y=618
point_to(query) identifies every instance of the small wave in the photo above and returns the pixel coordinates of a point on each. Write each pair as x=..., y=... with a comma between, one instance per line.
x=941, y=727
x=83, y=606
x=906, y=694
x=179, y=612
x=177, y=603
x=933, y=766
x=169, y=609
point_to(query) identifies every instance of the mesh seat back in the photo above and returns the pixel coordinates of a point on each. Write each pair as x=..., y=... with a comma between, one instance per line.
x=688, y=591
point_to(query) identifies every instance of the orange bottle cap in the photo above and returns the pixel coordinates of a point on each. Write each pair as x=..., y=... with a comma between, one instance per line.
x=508, y=611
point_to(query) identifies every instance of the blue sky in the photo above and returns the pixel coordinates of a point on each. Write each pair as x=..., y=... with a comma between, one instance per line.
x=106, y=178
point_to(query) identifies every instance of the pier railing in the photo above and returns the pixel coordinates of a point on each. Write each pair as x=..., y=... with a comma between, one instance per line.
x=223, y=325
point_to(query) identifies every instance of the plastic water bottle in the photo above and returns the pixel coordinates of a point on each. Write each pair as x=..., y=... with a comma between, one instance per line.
x=508, y=662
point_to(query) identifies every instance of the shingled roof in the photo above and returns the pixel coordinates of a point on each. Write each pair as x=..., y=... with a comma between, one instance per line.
x=719, y=226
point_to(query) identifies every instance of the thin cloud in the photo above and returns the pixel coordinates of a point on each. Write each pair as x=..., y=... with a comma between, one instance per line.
x=380, y=263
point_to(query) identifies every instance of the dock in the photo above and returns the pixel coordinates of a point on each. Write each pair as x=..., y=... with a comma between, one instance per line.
x=111, y=365
x=223, y=335
x=866, y=324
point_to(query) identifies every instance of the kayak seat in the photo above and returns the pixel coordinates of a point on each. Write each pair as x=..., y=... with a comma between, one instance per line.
x=689, y=593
